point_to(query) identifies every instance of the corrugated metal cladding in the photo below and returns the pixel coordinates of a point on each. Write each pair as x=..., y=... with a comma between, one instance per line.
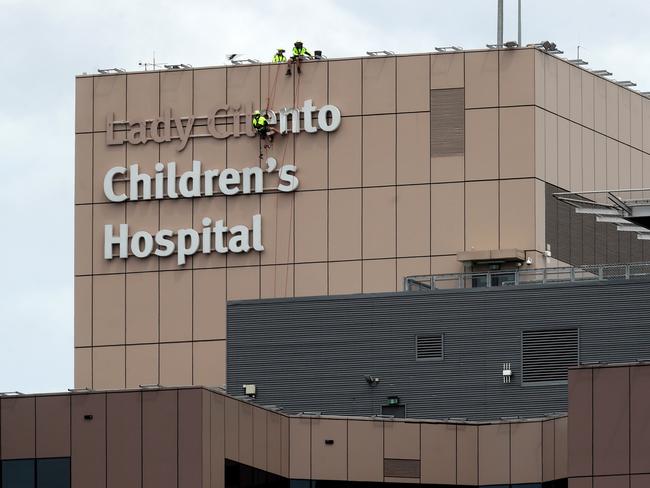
x=578, y=239
x=312, y=354
x=447, y=122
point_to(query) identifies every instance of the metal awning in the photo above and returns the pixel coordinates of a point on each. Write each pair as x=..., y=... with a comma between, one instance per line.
x=629, y=210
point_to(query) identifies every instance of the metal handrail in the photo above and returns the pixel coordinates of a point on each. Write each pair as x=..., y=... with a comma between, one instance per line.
x=517, y=277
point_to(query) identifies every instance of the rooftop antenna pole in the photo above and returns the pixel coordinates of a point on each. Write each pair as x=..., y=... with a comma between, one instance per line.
x=519, y=23
x=500, y=24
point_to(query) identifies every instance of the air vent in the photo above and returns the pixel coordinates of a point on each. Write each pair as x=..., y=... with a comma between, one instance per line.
x=428, y=348
x=547, y=355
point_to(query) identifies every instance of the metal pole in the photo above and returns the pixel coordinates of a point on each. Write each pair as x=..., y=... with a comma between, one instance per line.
x=519, y=24
x=500, y=23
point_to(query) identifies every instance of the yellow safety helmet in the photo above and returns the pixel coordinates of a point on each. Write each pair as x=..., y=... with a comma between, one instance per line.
x=257, y=112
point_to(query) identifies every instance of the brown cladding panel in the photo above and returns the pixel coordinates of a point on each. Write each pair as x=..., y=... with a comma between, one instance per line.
x=526, y=452
x=260, y=434
x=580, y=425
x=365, y=450
x=217, y=440
x=467, y=455
x=329, y=447
x=401, y=468
x=53, y=426
x=88, y=434
x=299, y=448
x=548, y=450
x=159, y=439
x=611, y=409
x=401, y=441
x=447, y=122
x=494, y=454
x=274, y=443
x=640, y=481
x=639, y=420
x=190, y=438
x=123, y=440
x=438, y=453
x=611, y=482
x=561, y=449
x=581, y=482
x=245, y=433
x=231, y=429
x=17, y=421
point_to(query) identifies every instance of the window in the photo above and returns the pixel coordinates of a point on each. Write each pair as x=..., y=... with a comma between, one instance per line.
x=428, y=348
x=548, y=354
x=36, y=473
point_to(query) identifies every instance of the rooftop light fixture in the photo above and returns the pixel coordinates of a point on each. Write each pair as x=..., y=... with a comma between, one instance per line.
x=548, y=46
x=601, y=72
x=447, y=49
x=626, y=83
x=578, y=62
x=511, y=44
x=150, y=386
x=492, y=46
x=311, y=414
x=178, y=66
x=10, y=393
x=645, y=94
x=108, y=71
x=79, y=390
x=380, y=53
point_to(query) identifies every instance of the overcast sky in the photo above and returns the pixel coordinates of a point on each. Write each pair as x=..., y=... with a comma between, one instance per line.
x=46, y=43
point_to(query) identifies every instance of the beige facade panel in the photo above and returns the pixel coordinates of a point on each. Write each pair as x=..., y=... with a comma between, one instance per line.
x=176, y=364
x=482, y=215
x=548, y=450
x=311, y=158
x=142, y=95
x=345, y=148
x=447, y=71
x=588, y=160
x=517, y=219
x=447, y=169
x=345, y=85
x=260, y=438
x=215, y=209
x=278, y=228
x=243, y=84
x=612, y=164
x=231, y=428
x=379, y=209
x=344, y=277
x=624, y=115
x=83, y=235
x=311, y=226
x=312, y=83
x=379, y=79
x=142, y=295
x=561, y=448
x=176, y=91
x=83, y=168
x=482, y=144
x=540, y=78
x=563, y=153
x=551, y=147
x=344, y=224
x=413, y=220
x=365, y=451
x=209, y=304
x=400, y=440
x=600, y=105
x=587, y=100
x=209, y=89
x=600, y=162
x=208, y=366
x=575, y=93
x=612, y=104
x=516, y=142
x=447, y=218
x=329, y=449
x=481, y=79
x=141, y=365
x=551, y=83
x=413, y=148
x=83, y=315
x=494, y=454
x=108, y=310
x=299, y=448
x=243, y=283
x=240, y=210
x=277, y=90
x=176, y=306
x=411, y=267
x=575, y=157
x=540, y=143
x=438, y=454
x=83, y=367
x=310, y=279
x=636, y=121
x=379, y=275
x=52, y=431
x=540, y=221
x=517, y=77
x=526, y=452
x=563, y=89
x=104, y=158
x=142, y=216
x=413, y=83
x=379, y=150
x=276, y=281
x=102, y=215
x=645, y=111
x=17, y=439
x=466, y=455
x=83, y=105
x=109, y=100
x=109, y=368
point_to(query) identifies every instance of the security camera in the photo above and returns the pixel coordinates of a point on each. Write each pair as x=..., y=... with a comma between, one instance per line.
x=371, y=380
x=529, y=261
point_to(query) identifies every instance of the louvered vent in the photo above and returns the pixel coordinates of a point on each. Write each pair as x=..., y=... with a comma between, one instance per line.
x=547, y=355
x=428, y=348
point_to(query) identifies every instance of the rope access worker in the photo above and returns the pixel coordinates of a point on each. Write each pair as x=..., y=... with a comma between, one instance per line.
x=261, y=125
x=279, y=56
x=299, y=53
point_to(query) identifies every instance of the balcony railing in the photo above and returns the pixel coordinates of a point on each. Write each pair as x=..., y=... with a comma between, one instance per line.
x=516, y=277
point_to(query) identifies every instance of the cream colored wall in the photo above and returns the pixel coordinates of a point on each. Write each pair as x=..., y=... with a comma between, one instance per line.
x=361, y=188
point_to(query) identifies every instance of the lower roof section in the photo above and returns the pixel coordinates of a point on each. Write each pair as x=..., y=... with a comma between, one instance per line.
x=182, y=437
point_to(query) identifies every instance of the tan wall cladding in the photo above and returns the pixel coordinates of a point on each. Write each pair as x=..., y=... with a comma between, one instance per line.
x=377, y=200
x=182, y=436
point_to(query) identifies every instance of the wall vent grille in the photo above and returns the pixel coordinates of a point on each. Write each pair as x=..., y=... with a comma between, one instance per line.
x=547, y=355
x=428, y=348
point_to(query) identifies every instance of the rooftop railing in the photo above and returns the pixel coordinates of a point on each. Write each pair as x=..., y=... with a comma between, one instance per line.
x=517, y=277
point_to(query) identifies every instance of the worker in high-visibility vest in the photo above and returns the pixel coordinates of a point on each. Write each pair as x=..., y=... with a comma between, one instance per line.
x=261, y=125
x=279, y=56
x=298, y=54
